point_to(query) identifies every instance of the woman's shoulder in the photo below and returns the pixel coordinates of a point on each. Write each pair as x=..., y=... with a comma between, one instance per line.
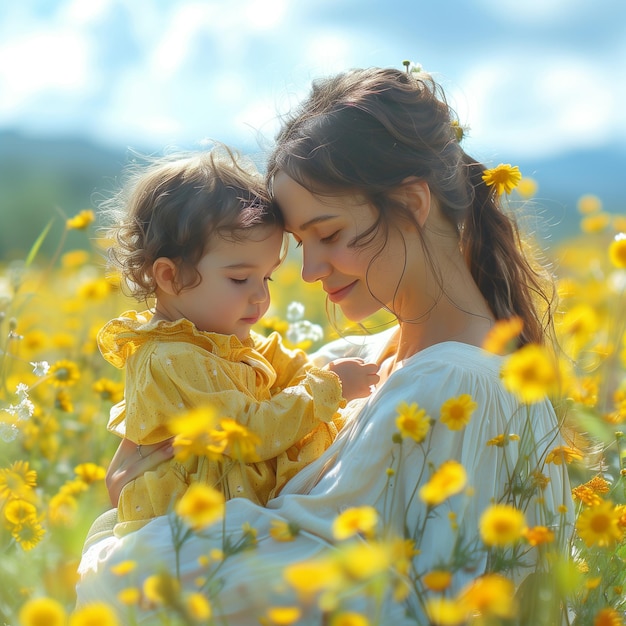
x=445, y=370
x=456, y=356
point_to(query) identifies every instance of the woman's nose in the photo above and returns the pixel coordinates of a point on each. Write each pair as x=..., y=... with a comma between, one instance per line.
x=314, y=265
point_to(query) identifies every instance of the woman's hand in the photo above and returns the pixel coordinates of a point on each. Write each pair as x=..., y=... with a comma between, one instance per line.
x=130, y=461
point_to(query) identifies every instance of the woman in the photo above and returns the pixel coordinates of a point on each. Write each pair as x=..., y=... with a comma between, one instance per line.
x=391, y=214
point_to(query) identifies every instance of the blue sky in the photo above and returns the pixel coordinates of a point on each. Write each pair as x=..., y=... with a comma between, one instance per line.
x=531, y=78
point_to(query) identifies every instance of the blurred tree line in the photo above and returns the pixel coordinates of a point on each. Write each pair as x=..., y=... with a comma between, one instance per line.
x=53, y=178
x=44, y=179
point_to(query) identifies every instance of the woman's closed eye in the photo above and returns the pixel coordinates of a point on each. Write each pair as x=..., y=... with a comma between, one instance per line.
x=330, y=238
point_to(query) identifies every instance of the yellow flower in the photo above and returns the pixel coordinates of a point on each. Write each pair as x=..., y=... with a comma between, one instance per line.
x=42, y=612
x=62, y=508
x=74, y=486
x=563, y=454
x=201, y=506
x=129, y=596
x=538, y=535
x=191, y=433
x=527, y=187
x=503, y=440
x=28, y=534
x=236, y=441
x=63, y=401
x=123, y=568
x=599, y=525
x=81, y=220
x=504, y=178
x=109, y=390
x=18, y=512
x=595, y=223
x=364, y=560
x=74, y=259
x=161, y=589
x=94, y=290
x=198, y=607
x=355, y=520
x=501, y=525
x=412, y=421
x=580, y=321
x=502, y=338
x=437, y=580
x=456, y=412
x=283, y=615
x=617, y=251
x=95, y=614
x=586, y=391
x=349, y=619
x=17, y=480
x=449, y=479
x=589, y=204
x=64, y=373
x=445, y=612
x=530, y=373
x=311, y=577
x=588, y=493
x=608, y=617
x=90, y=472
x=619, y=223
x=490, y=595
x=281, y=530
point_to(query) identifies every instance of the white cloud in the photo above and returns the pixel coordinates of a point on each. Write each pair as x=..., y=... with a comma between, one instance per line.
x=534, y=106
x=44, y=60
x=153, y=73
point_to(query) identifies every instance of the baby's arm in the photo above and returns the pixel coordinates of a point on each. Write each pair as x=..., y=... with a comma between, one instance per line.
x=357, y=377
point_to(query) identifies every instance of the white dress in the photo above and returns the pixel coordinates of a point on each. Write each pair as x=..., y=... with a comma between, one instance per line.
x=354, y=472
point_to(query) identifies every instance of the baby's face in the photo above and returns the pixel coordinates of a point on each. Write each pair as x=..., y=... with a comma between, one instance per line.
x=233, y=293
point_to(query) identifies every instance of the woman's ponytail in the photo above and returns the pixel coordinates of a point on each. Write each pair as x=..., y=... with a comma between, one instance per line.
x=494, y=252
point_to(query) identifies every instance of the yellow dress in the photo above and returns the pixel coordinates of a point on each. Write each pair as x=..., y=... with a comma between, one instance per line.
x=172, y=367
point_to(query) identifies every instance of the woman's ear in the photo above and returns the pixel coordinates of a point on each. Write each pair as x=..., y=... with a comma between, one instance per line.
x=415, y=194
x=164, y=274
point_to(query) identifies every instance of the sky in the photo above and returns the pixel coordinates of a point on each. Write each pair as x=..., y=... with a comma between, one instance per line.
x=530, y=78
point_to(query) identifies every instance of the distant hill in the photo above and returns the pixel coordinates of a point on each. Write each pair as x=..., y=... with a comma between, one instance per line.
x=564, y=179
x=45, y=178
x=42, y=177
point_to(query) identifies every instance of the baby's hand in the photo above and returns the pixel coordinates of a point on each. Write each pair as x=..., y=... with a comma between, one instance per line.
x=357, y=377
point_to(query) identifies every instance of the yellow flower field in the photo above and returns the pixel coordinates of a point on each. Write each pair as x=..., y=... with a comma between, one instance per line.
x=57, y=392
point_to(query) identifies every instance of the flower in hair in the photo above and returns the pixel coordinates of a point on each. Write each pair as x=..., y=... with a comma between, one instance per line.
x=504, y=178
x=458, y=130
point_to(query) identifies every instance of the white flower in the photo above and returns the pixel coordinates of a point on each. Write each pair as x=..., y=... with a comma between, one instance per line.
x=295, y=312
x=40, y=368
x=304, y=330
x=24, y=410
x=8, y=432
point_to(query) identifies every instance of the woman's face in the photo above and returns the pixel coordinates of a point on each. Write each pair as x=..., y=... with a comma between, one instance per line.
x=355, y=278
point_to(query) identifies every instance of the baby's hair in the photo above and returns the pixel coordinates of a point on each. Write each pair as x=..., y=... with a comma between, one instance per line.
x=173, y=206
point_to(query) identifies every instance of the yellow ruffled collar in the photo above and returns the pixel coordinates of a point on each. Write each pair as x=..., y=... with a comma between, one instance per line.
x=122, y=336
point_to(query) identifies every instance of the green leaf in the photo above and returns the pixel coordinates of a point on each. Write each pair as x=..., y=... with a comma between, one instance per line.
x=35, y=247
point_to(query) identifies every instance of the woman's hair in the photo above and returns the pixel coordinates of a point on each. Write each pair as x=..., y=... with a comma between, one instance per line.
x=173, y=206
x=366, y=131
